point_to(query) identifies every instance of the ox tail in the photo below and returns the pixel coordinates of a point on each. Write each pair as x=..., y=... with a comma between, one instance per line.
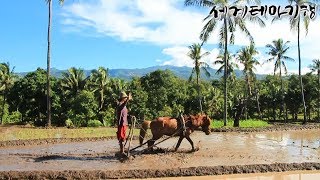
x=144, y=127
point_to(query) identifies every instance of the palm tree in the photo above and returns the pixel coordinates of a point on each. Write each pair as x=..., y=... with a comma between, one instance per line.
x=295, y=26
x=231, y=66
x=315, y=67
x=278, y=50
x=196, y=55
x=73, y=81
x=100, y=80
x=246, y=57
x=230, y=23
x=214, y=101
x=7, y=79
x=49, y=2
x=116, y=86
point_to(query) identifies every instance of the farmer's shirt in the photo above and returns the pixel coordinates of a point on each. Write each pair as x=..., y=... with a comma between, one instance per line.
x=122, y=114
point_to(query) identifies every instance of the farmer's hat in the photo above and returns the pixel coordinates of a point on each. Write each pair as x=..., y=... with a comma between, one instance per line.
x=123, y=95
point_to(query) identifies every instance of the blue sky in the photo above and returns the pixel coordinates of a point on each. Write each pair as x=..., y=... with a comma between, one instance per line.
x=124, y=34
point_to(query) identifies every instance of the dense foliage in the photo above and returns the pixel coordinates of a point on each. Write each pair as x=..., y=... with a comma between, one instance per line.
x=90, y=101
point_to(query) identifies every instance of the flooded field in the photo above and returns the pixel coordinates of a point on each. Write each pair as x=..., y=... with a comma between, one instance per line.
x=218, y=149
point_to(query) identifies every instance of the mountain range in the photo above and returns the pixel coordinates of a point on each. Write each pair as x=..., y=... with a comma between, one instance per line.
x=126, y=74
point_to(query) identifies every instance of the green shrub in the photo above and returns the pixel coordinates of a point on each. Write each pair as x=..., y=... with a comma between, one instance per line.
x=249, y=123
x=94, y=123
x=82, y=108
x=108, y=117
x=12, y=118
x=69, y=123
x=253, y=123
x=166, y=111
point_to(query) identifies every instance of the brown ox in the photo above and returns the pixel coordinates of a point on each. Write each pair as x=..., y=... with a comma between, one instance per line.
x=172, y=126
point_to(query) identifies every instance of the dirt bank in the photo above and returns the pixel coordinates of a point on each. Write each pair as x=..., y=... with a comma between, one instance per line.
x=274, y=127
x=149, y=173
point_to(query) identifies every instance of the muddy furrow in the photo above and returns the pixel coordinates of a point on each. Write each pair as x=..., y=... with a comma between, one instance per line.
x=36, y=142
x=149, y=173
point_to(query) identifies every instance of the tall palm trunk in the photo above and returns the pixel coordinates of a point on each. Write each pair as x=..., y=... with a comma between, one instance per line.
x=101, y=107
x=282, y=96
x=199, y=92
x=3, y=104
x=257, y=100
x=101, y=100
x=300, y=77
x=225, y=113
x=48, y=66
x=248, y=94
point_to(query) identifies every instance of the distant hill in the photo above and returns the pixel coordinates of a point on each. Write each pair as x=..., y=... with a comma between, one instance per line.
x=182, y=72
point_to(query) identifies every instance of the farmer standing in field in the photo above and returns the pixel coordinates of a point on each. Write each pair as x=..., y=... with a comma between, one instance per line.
x=122, y=118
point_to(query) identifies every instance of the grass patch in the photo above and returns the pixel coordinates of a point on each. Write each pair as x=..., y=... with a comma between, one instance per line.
x=250, y=123
x=22, y=133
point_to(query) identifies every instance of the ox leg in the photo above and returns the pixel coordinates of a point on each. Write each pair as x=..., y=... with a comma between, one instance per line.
x=191, y=142
x=151, y=143
x=179, y=142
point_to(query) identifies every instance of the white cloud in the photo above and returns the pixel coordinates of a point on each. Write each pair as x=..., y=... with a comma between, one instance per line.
x=281, y=29
x=265, y=35
x=168, y=24
x=178, y=57
x=265, y=68
x=165, y=22
x=159, y=22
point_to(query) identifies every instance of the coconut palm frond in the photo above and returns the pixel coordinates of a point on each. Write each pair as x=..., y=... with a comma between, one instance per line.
x=220, y=70
x=218, y=62
x=221, y=38
x=315, y=66
x=207, y=73
x=207, y=29
x=204, y=54
x=284, y=67
x=245, y=30
x=294, y=23
x=288, y=58
x=306, y=22
x=257, y=20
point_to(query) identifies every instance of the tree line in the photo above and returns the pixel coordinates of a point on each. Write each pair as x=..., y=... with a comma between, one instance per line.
x=80, y=99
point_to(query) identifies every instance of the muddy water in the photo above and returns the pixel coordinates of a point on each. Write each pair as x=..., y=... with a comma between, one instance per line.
x=216, y=149
x=295, y=175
